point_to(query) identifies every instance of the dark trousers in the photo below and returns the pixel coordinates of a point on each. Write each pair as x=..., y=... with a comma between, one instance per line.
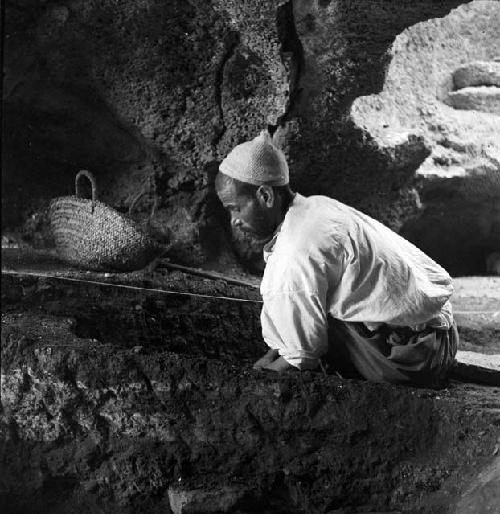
x=395, y=355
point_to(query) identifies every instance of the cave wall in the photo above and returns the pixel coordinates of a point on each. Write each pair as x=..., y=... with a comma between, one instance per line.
x=443, y=83
x=151, y=96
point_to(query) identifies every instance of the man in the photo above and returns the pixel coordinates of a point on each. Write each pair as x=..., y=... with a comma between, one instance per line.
x=338, y=285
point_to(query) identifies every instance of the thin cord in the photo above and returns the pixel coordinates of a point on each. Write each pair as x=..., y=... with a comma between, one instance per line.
x=135, y=288
x=179, y=293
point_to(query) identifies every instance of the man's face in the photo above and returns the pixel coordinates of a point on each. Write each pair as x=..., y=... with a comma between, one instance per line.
x=246, y=212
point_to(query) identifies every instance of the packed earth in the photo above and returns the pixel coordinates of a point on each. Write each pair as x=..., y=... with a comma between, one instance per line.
x=120, y=397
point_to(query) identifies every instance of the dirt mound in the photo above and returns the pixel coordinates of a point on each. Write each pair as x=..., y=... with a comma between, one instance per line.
x=95, y=419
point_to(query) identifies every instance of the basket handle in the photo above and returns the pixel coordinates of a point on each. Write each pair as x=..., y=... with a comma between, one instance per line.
x=93, y=183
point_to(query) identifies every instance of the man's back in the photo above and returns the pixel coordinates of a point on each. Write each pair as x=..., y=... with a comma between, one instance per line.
x=368, y=273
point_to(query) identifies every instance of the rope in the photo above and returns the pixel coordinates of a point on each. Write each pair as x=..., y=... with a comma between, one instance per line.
x=179, y=293
x=206, y=274
x=125, y=286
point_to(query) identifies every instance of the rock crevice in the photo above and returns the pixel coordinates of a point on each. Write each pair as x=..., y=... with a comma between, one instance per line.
x=231, y=43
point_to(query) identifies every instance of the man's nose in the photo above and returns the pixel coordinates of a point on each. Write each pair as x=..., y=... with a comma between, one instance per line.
x=235, y=222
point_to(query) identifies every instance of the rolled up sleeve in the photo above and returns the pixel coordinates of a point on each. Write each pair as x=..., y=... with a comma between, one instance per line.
x=294, y=316
x=295, y=324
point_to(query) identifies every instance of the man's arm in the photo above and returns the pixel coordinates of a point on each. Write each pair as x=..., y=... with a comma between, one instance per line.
x=294, y=324
x=294, y=314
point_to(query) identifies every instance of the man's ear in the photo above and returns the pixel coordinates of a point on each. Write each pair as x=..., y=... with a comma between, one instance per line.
x=265, y=196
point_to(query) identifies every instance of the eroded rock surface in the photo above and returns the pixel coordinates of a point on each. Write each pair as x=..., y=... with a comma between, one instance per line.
x=151, y=96
x=480, y=73
x=479, y=98
x=441, y=83
x=102, y=421
x=477, y=87
x=483, y=495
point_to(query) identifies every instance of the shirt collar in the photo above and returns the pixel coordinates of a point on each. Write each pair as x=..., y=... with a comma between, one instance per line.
x=269, y=246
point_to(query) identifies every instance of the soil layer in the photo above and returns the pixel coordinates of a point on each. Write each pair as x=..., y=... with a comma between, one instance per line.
x=119, y=401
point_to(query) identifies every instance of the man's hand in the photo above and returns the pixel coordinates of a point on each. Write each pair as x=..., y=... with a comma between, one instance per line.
x=272, y=362
x=268, y=358
x=279, y=365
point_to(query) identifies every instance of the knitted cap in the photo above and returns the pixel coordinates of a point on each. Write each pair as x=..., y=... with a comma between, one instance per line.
x=257, y=162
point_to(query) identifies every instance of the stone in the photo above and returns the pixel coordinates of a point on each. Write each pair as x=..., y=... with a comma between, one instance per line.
x=478, y=98
x=200, y=501
x=480, y=73
x=458, y=186
x=491, y=362
x=483, y=494
x=477, y=367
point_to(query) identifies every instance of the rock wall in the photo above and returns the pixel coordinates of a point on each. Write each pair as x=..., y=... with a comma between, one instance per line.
x=150, y=96
x=443, y=83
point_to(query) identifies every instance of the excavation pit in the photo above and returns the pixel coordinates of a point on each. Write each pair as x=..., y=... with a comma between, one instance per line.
x=117, y=400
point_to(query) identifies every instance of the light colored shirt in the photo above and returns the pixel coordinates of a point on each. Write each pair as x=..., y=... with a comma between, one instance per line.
x=329, y=259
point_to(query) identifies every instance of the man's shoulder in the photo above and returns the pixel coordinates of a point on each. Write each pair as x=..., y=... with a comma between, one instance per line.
x=314, y=226
x=316, y=217
x=316, y=201
x=320, y=207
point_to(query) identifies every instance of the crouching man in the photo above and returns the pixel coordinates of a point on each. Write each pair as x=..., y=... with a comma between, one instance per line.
x=338, y=285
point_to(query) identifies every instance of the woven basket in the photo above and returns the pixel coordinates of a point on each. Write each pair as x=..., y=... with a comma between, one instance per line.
x=90, y=234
